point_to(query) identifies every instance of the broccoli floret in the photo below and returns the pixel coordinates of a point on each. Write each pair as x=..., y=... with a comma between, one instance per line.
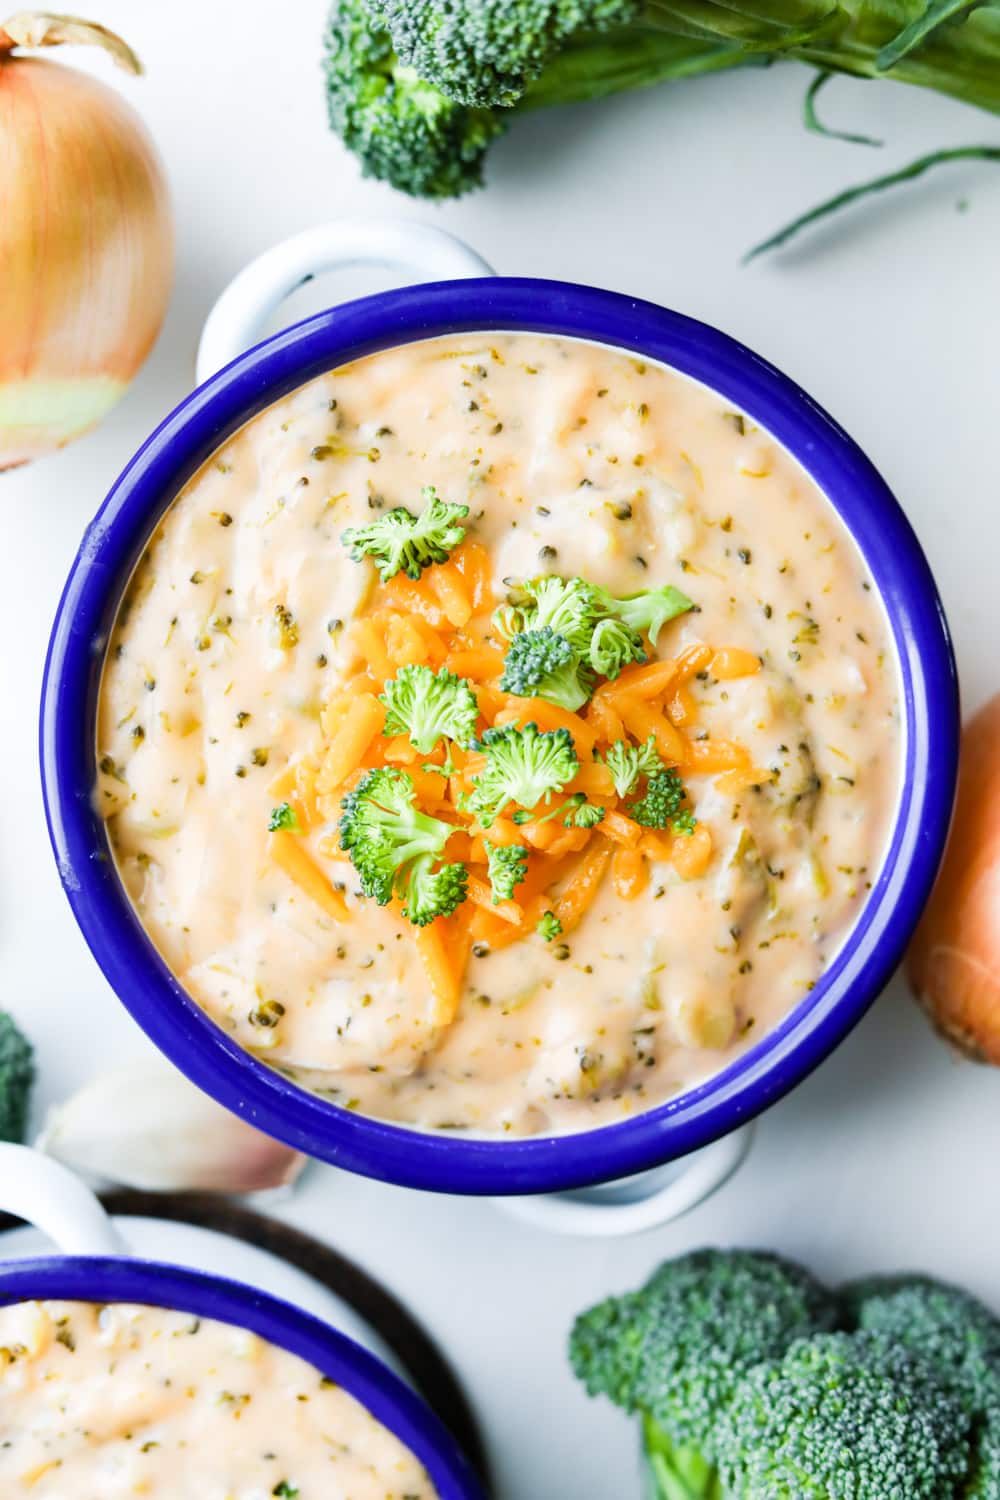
x=429, y=706
x=648, y=611
x=508, y=865
x=628, y=762
x=402, y=129
x=582, y=814
x=542, y=664
x=662, y=801
x=401, y=542
x=843, y=1417
x=523, y=766
x=549, y=926
x=569, y=606
x=677, y=1348
x=17, y=1074
x=685, y=823
x=983, y=1481
x=940, y=1323
x=283, y=819
x=614, y=646
x=394, y=847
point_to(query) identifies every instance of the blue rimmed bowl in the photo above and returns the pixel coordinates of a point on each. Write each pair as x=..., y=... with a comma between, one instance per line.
x=783, y=1056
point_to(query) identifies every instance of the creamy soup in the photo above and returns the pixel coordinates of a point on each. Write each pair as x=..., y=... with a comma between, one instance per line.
x=104, y=1402
x=241, y=703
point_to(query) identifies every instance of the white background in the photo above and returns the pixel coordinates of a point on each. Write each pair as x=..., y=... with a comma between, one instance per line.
x=887, y=1156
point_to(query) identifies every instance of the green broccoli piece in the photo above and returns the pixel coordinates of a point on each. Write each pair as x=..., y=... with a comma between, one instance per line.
x=938, y=1322
x=394, y=847
x=401, y=128
x=17, y=1074
x=283, y=819
x=582, y=814
x=401, y=542
x=842, y=1417
x=648, y=611
x=523, y=766
x=614, y=646
x=662, y=801
x=549, y=926
x=685, y=823
x=542, y=664
x=430, y=706
x=676, y=1348
x=628, y=762
x=569, y=606
x=508, y=865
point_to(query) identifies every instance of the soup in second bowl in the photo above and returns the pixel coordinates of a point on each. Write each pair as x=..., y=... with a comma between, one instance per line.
x=108, y=1402
x=499, y=734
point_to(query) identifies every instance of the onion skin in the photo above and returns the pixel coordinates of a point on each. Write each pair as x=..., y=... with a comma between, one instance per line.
x=86, y=253
x=954, y=960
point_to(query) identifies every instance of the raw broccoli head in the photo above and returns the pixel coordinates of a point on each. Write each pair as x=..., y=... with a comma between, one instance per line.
x=940, y=1323
x=486, y=52
x=394, y=847
x=17, y=1074
x=842, y=1417
x=402, y=542
x=542, y=664
x=662, y=801
x=402, y=129
x=523, y=766
x=430, y=706
x=508, y=865
x=628, y=762
x=677, y=1348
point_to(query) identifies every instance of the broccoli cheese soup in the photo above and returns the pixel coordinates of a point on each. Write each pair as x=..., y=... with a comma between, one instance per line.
x=104, y=1402
x=499, y=734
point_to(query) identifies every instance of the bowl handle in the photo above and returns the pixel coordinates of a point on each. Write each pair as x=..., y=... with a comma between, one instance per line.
x=50, y=1196
x=637, y=1203
x=236, y=320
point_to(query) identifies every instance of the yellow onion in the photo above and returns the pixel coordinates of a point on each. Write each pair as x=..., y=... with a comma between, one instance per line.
x=86, y=242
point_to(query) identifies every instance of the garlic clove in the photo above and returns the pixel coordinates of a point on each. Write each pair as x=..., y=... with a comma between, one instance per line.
x=147, y=1127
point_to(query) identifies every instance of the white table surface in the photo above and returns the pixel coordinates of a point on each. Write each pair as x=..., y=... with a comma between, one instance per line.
x=887, y=1156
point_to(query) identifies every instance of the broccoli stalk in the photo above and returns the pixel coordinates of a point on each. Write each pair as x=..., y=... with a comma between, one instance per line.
x=523, y=766
x=542, y=664
x=649, y=610
x=429, y=706
x=394, y=847
x=17, y=1074
x=402, y=542
x=508, y=866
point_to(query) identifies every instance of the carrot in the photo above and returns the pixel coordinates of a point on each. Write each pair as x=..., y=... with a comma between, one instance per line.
x=642, y=720
x=451, y=592
x=361, y=721
x=647, y=681
x=656, y=845
x=681, y=707
x=692, y=852
x=413, y=597
x=692, y=660
x=716, y=755
x=579, y=892
x=368, y=641
x=733, y=661
x=288, y=852
x=442, y=975
x=548, y=716
x=604, y=720
x=629, y=873
x=479, y=891
x=473, y=562
x=622, y=829
x=481, y=664
x=404, y=643
x=398, y=751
